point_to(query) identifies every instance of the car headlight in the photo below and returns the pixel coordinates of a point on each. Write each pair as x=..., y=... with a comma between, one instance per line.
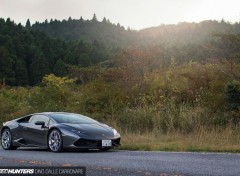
x=115, y=133
x=77, y=131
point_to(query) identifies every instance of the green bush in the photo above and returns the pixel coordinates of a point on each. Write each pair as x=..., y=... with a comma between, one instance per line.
x=232, y=95
x=13, y=103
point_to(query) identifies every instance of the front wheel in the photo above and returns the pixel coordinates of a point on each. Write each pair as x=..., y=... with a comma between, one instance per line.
x=7, y=140
x=55, y=143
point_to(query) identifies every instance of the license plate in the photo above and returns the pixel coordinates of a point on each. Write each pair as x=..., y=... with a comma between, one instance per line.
x=106, y=143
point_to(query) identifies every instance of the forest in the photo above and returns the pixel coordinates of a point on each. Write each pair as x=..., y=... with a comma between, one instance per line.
x=178, y=83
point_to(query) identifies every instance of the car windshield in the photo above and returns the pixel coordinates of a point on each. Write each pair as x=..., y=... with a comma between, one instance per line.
x=72, y=118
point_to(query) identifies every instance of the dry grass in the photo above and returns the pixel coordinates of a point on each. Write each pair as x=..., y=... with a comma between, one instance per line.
x=227, y=140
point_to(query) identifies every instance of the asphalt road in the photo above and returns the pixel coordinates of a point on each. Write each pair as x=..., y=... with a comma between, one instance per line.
x=129, y=162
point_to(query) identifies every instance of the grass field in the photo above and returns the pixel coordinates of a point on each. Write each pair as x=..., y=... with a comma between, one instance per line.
x=227, y=140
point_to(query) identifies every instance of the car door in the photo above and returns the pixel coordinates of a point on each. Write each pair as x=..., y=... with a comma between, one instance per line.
x=20, y=131
x=36, y=134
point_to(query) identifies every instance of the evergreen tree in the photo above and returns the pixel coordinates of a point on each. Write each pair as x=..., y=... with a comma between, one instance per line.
x=81, y=19
x=60, y=68
x=104, y=20
x=6, y=67
x=94, y=19
x=21, y=73
x=38, y=68
x=28, y=24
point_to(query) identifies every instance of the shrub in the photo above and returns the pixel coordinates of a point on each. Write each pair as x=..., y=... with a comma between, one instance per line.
x=232, y=95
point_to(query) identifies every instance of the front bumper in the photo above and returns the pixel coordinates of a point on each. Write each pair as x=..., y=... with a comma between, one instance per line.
x=95, y=144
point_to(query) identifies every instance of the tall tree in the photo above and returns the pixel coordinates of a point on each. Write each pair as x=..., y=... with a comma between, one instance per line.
x=38, y=68
x=60, y=68
x=6, y=67
x=94, y=17
x=28, y=24
x=21, y=73
x=104, y=20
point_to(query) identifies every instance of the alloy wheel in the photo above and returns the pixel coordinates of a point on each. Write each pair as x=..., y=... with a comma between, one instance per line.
x=55, y=141
x=6, y=139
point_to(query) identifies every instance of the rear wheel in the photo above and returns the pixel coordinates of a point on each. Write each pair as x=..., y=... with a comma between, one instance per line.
x=7, y=140
x=55, y=143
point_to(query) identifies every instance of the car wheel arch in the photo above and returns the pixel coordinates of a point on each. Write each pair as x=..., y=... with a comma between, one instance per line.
x=6, y=127
x=50, y=130
x=12, y=147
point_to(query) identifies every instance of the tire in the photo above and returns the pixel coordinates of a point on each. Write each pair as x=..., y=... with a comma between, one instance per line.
x=6, y=140
x=55, y=142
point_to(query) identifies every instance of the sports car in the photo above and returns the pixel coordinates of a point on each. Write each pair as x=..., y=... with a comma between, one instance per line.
x=58, y=131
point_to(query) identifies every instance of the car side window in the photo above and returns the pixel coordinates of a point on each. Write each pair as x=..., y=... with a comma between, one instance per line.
x=25, y=119
x=42, y=118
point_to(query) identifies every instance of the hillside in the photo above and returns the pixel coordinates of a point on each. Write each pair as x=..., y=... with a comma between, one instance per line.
x=188, y=32
x=183, y=42
x=88, y=30
x=29, y=52
x=27, y=55
x=177, y=85
x=106, y=32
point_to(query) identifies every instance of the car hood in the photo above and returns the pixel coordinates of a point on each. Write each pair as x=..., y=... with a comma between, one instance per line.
x=95, y=130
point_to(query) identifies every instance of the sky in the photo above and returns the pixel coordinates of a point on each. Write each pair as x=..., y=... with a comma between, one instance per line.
x=136, y=14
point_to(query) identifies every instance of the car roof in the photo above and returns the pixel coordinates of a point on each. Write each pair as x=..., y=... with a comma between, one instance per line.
x=49, y=113
x=42, y=113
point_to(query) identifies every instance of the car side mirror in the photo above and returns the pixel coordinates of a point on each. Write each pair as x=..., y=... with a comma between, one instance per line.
x=40, y=123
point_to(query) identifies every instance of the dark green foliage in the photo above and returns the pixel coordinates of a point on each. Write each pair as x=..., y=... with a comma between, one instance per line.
x=28, y=53
x=23, y=54
x=28, y=24
x=60, y=68
x=38, y=68
x=228, y=44
x=94, y=19
x=104, y=32
x=232, y=95
x=6, y=67
x=183, y=42
x=21, y=73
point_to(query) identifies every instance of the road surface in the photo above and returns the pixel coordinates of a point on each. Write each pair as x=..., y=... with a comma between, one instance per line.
x=129, y=162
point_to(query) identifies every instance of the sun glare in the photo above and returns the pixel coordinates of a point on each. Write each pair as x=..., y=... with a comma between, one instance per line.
x=213, y=10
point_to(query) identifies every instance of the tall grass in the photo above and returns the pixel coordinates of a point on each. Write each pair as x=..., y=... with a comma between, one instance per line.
x=183, y=118
x=203, y=140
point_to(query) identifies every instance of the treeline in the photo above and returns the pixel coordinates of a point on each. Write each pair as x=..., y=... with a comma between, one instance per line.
x=103, y=31
x=193, y=33
x=183, y=42
x=28, y=53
